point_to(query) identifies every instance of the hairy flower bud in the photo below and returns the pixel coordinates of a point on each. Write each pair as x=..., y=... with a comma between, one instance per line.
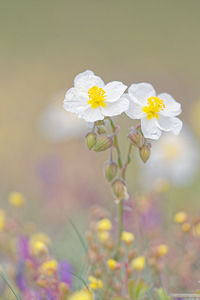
x=145, y=152
x=103, y=143
x=101, y=129
x=119, y=189
x=136, y=137
x=110, y=170
x=91, y=139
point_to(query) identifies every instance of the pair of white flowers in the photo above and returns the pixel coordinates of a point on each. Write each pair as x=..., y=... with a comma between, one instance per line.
x=92, y=100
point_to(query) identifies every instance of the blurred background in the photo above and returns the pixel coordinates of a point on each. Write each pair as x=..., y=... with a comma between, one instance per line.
x=43, y=46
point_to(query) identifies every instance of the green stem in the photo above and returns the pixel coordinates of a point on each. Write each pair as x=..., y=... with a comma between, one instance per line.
x=128, y=160
x=115, y=143
x=120, y=205
x=122, y=173
x=120, y=226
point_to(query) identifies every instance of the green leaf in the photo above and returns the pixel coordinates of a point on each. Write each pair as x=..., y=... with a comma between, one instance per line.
x=137, y=290
x=162, y=295
x=141, y=289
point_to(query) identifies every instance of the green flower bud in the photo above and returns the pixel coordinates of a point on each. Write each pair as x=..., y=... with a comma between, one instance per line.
x=110, y=170
x=103, y=143
x=119, y=189
x=136, y=137
x=91, y=139
x=101, y=130
x=145, y=152
x=99, y=123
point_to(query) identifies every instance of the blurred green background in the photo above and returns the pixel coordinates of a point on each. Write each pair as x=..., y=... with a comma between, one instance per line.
x=44, y=44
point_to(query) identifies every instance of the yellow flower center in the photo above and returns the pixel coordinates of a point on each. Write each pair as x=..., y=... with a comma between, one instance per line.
x=154, y=106
x=97, y=97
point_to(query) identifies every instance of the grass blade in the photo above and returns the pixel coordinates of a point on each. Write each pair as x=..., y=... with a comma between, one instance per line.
x=9, y=285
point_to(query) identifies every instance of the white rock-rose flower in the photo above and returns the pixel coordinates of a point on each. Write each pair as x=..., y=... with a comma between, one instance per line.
x=157, y=113
x=92, y=100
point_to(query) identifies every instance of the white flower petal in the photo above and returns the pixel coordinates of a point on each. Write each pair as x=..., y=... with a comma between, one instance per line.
x=134, y=110
x=114, y=90
x=74, y=100
x=84, y=81
x=173, y=125
x=172, y=108
x=140, y=92
x=91, y=115
x=115, y=108
x=150, y=128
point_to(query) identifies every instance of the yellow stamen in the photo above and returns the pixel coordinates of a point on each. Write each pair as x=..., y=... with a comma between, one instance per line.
x=154, y=106
x=97, y=97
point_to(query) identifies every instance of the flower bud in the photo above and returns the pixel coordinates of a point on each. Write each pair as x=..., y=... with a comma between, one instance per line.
x=145, y=152
x=162, y=250
x=101, y=130
x=110, y=170
x=100, y=122
x=113, y=264
x=119, y=189
x=98, y=273
x=91, y=139
x=136, y=137
x=103, y=143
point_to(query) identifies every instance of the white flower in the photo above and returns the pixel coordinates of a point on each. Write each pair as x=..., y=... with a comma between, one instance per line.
x=157, y=113
x=173, y=158
x=56, y=125
x=92, y=100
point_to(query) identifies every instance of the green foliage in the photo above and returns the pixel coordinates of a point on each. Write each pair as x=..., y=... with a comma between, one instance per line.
x=162, y=295
x=137, y=290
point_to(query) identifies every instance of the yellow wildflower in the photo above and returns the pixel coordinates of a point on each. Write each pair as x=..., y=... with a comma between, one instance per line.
x=127, y=237
x=48, y=267
x=112, y=264
x=138, y=263
x=180, y=217
x=64, y=288
x=95, y=283
x=197, y=229
x=16, y=199
x=39, y=242
x=81, y=295
x=162, y=250
x=40, y=237
x=103, y=236
x=186, y=227
x=104, y=225
x=38, y=248
x=2, y=220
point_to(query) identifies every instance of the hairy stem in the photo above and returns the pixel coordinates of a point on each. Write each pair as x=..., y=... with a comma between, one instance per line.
x=123, y=168
x=120, y=226
x=120, y=204
x=115, y=143
x=128, y=160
